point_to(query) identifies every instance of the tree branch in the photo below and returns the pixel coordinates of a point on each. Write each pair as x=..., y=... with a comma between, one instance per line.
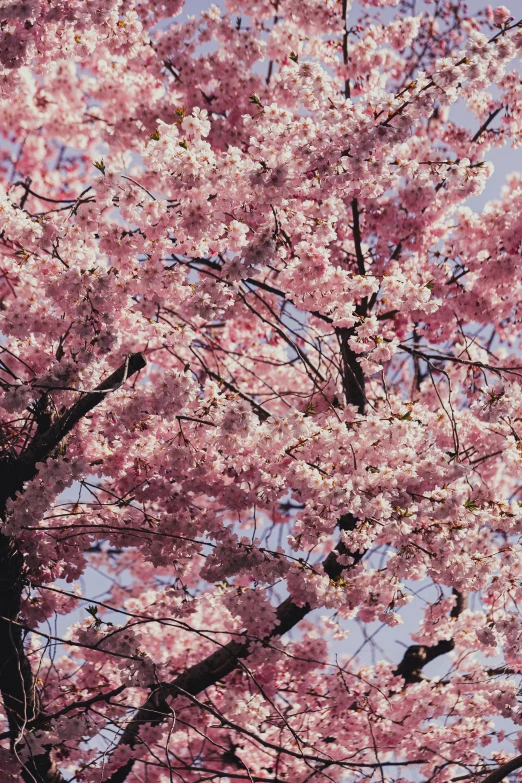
x=357, y=238
x=486, y=124
x=419, y=655
x=17, y=684
x=224, y=661
x=502, y=772
x=43, y=444
x=352, y=373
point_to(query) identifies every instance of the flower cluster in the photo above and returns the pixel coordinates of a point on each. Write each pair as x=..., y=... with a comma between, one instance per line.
x=259, y=357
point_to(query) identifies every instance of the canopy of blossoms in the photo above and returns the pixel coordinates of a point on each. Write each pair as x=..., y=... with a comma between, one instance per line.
x=260, y=392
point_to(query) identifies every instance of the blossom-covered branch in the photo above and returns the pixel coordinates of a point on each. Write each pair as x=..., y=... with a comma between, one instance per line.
x=288, y=546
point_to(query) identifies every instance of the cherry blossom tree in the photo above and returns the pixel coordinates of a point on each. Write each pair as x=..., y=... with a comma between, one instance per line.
x=260, y=392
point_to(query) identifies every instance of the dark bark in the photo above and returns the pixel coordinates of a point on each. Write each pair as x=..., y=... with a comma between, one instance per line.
x=503, y=771
x=419, y=655
x=352, y=376
x=224, y=661
x=15, y=472
x=17, y=684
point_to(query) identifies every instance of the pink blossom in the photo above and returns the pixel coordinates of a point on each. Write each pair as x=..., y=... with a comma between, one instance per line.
x=260, y=392
x=501, y=15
